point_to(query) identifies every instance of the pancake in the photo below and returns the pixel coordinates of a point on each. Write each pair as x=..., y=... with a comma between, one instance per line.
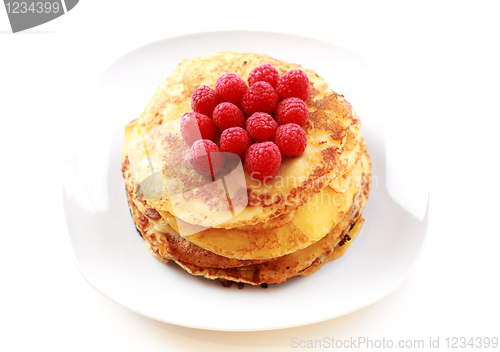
x=200, y=262
x=332, y=124
x=232, y=227
x=309, y=223
x=303, y=263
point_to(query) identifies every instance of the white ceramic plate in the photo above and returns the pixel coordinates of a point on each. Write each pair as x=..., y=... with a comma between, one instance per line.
x=113, y=258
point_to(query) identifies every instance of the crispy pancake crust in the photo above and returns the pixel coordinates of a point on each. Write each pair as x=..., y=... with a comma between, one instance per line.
x=168, y=246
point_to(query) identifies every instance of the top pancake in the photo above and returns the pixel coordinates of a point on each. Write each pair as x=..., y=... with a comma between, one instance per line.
x=334, y=145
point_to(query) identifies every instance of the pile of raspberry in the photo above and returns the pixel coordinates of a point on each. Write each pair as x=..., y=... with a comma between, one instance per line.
x=260, y=122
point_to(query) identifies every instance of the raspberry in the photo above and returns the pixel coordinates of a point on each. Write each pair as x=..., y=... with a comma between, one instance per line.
x=228, y=115
x=261, y=96
x=294, y=83
x=231, y=88
x=262, y=160
x=204, y=100
x=195, y=126
x=264, y=72
x=292, y=110
x=290, y=139
x=206, y=165
x=261, y=127
x=235, y=140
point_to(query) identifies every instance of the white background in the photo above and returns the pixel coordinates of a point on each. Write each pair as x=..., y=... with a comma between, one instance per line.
x=439, y=84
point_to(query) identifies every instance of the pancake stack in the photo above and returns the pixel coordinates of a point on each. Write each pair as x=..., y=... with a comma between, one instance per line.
x=233, y=227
